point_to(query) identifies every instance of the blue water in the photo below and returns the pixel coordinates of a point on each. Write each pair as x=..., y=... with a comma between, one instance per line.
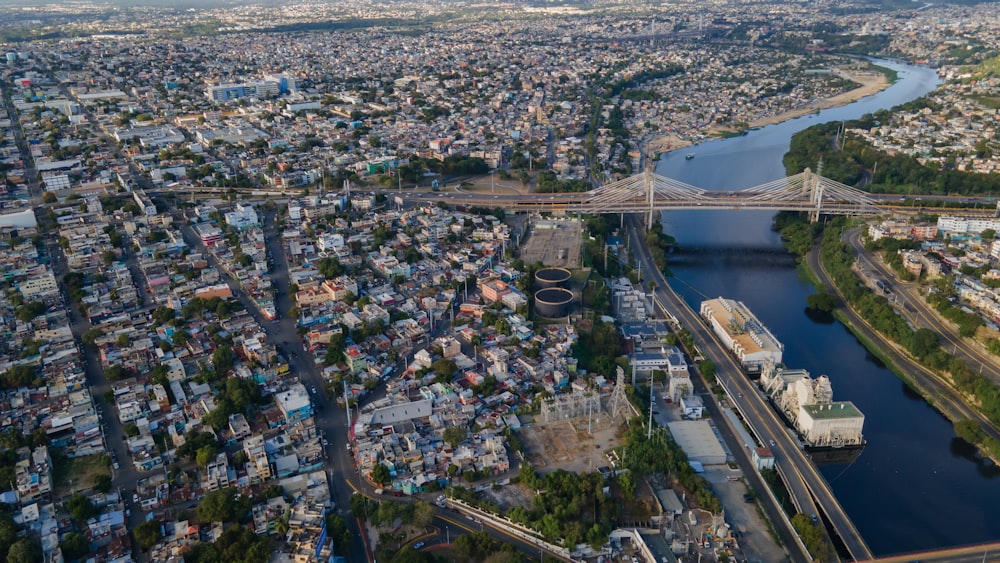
x=915, y=486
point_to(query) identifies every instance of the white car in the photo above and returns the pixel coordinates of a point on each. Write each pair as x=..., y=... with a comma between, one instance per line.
x=135, y=498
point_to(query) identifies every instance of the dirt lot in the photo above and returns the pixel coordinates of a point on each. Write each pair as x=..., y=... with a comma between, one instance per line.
x=568, y=444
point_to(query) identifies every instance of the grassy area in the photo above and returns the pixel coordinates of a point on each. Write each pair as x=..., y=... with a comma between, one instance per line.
x=78, y=473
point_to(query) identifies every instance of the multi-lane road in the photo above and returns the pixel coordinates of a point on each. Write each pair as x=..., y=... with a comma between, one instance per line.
x=938, y=391
x=803, y=480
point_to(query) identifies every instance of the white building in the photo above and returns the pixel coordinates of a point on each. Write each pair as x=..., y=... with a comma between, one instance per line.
x=244, y=216
x=966, y=226
x=740, y=331
x=836, y=424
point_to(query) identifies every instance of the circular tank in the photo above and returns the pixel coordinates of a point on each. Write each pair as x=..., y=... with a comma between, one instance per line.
x=552, y=277
x=553, y=302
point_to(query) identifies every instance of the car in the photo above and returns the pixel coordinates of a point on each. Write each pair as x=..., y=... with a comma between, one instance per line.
x=135, y=497
x=116, y=465
x=128, y=513
x=773, y=444
x=418, y=545
x=325, y=443
x=313, y=389
x=815, y=519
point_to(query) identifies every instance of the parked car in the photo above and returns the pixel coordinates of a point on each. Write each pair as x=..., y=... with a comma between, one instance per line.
x=418, y=545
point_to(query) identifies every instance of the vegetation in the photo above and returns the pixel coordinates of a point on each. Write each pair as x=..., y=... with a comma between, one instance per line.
x=573, y=509
x=238, y=544
x=597, y=349
x=660, y=454
x=923, y=344
x=855, y=160
x=813, y=537
x=223, y=506
x=148, y=533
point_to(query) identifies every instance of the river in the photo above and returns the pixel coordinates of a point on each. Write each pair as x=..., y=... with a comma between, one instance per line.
x=915, y=486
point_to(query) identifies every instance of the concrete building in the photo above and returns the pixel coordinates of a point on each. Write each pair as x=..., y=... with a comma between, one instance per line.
x=243, y=217
x=698, y=441
x=294, y=403
x=836, y=423
x=233, y=91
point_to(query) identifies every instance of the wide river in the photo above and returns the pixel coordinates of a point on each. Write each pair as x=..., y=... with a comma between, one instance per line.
x=915, y=486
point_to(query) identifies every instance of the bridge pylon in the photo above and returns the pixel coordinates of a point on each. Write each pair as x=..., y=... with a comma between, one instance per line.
x=814, y=187
x=648, y=190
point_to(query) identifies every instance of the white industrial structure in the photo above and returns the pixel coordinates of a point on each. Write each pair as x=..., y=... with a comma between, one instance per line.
x=808, y=403
x=740, y=331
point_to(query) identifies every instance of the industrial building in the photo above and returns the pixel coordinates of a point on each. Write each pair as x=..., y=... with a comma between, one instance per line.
x=740, y=331
x=808, y=404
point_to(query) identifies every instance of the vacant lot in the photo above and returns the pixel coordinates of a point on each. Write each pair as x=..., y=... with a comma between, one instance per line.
x=569, y=445
x=75, y=474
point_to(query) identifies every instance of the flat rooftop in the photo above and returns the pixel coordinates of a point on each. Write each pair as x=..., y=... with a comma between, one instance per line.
x=837, y=409
x=698, y=441
x=741, y=325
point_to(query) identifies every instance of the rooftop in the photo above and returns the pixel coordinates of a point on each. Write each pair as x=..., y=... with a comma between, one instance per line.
x=839, y=409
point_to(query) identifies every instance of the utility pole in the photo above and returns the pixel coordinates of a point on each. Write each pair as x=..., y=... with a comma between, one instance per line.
x=347, y=405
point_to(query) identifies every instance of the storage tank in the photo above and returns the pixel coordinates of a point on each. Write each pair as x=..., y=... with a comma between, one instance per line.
x=553, y=302
x=552, y=277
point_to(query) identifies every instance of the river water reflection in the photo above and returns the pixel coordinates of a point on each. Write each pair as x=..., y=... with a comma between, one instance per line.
x=915, y=486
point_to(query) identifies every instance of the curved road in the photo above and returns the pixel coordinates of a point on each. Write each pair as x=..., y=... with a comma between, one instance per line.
x=936, y=391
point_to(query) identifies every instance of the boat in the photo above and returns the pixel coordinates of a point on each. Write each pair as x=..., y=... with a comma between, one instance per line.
x=689, y=156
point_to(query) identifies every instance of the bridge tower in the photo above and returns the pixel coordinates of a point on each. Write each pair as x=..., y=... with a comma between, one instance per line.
x=811, y=183
x=648, y=189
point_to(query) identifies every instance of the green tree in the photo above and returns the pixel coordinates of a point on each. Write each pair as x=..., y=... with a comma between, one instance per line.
x=821, y=301
x=423, y=514
x=74, y=546
x=102, y=483
x=80, y=507
x=454, y=435
x=148, y=533
x=220, y=506
x=380, y=475
x=25, y=550
x=204, y=456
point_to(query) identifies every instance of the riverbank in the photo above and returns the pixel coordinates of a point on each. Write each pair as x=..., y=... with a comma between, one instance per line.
x=869, y=83
x=934, y=388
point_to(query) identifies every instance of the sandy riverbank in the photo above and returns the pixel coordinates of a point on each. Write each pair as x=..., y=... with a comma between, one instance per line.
x=869, y=83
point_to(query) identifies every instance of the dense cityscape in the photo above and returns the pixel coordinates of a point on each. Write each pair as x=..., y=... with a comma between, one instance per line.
x=267, y=295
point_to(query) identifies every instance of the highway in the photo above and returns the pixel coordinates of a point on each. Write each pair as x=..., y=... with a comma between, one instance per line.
x=803, y=481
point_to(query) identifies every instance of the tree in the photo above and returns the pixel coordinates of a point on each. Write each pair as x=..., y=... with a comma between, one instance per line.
x=381, y=475
x=49, y=197
x=444, y=368
x=91, y=335
x=821, y=301
x=454, y=435
x=80, y=507
x=423, y=514
x=218, y=506
x=988, y=234
x=74, y=546
x=204, y=456
x=336, y=529
x=25, y=550
x=102, y=483
x=148, y=533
